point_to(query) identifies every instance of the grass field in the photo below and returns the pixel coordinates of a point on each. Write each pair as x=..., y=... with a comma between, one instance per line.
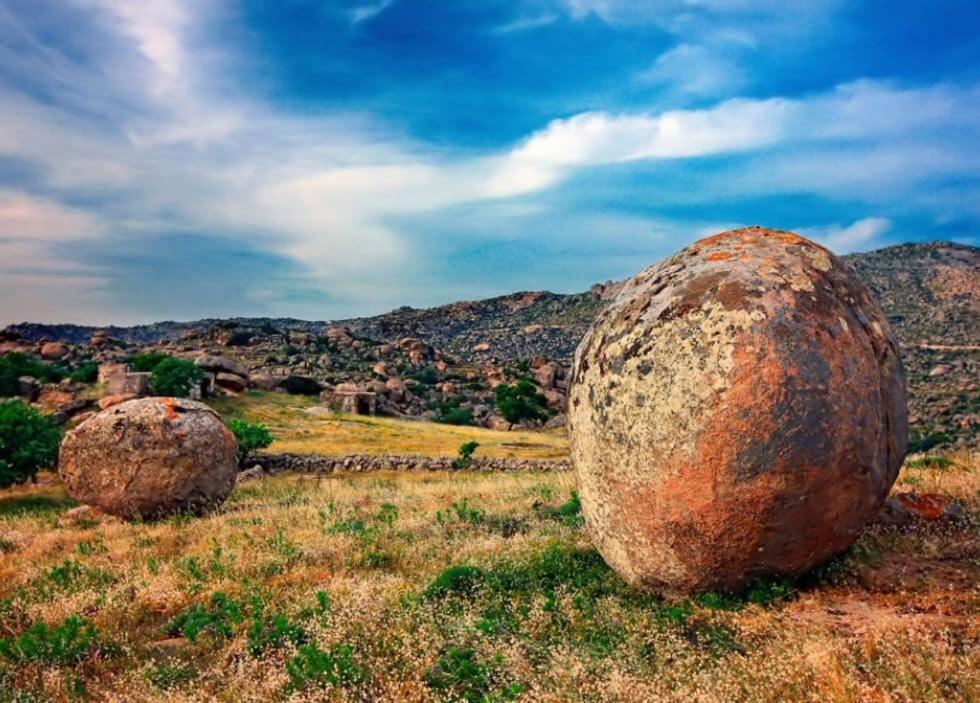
x=297, y=431
x=462, y=587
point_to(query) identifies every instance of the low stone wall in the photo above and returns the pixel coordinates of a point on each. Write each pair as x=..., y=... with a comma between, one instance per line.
x=315, y=463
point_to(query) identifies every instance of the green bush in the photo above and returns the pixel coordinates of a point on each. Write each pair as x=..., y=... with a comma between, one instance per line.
x=250, y=436
x=174, y=377
x=145, y=363
x=13, y=365
x=462, y=579
x=520, y=401
x=67, y=643
x=219, y=618
x=462, y=675
x=28, y=442
x=313, y=665
x=465, y=458
x=86, y=372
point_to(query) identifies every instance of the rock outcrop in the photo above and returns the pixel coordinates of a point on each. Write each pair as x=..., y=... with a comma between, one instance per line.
x=738, y=412
x=150, y=457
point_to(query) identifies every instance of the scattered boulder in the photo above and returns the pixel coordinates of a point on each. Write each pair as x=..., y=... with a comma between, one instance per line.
x=220, y=364
x=150, y=457
x=230, y=382
x=738, y=412
x=54, y=351
x=940, y=370
x=264, y=381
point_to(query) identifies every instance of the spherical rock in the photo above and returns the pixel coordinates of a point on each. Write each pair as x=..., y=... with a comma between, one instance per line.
x=738, y=412
x=150, y=457
x=53, y=351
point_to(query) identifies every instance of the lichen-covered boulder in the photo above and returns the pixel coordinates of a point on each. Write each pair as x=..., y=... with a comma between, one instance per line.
x=737, y=413
x=150, y=457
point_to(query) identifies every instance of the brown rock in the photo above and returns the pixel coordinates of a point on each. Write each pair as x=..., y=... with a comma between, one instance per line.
x=217, y=364
x=53, y=351
x=150, y=457
x=230, y=382
x=265, y=381
x=737, y=412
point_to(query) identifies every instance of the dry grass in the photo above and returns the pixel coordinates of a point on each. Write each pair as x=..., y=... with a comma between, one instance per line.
x=297, y=431
x=543, y=619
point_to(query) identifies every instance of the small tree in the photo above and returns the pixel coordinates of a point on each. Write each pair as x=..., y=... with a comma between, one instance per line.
x=174, y=377
x=250, y=436
x=28, y=442
x=520, y=401
x=465, y=457
x=143, y=363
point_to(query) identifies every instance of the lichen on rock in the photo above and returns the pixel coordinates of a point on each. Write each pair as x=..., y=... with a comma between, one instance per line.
x=738, y=412
x=150, y=457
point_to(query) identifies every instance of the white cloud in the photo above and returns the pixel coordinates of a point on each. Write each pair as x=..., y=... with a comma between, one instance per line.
x=325, y=191
x=25, y=217
x=695, y=70
x=366, y=12
x=853, y=237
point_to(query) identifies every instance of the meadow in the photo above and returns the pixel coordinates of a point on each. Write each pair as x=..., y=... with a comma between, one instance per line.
x=297, y=431
x=460, y=587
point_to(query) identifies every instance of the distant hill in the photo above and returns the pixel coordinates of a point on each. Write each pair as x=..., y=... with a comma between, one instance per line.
x=930, y=293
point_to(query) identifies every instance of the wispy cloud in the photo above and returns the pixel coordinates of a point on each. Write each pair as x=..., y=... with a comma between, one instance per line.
x=141, y=136
x=847, y=238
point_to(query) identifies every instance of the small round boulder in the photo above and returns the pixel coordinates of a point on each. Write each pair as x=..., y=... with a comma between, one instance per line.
x=737, y=413
x=150, y=457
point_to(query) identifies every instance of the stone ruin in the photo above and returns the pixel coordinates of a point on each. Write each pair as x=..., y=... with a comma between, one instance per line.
x=119, y=379
x=348, y=398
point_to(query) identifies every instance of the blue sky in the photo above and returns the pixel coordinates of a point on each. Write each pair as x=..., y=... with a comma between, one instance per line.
x=175, y=159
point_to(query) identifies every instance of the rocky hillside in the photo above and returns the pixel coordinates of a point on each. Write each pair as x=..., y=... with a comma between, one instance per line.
x=930, y=292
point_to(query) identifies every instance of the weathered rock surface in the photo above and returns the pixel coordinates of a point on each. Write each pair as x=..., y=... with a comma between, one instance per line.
x=738, y=412
x=150, y=457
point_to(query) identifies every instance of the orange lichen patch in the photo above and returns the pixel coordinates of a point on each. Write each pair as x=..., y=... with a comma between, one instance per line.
x=718, y=256
x=111, y=400
x=170, y=408
x=928, y=506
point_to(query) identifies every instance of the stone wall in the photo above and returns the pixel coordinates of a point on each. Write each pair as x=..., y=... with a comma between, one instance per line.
x=315, y=463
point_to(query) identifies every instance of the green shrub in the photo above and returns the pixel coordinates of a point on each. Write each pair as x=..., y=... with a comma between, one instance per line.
x=250, y=436
x=218, y=617
x=455, y=416
x=270, y=630
x=456, y=580
x=174, y=377
x=466, y=678
x=165, y=676
x=67, y=643
x=929, y=462
x=461, y=512
x=520, y=401
x=13, y=365
x=145, y=363
x=465, y=458
x=28, y=442
x=313, y=665
x=86, y=372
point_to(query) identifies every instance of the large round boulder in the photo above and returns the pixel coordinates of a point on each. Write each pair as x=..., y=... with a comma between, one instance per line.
x=150, y=457
x=738, y=412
